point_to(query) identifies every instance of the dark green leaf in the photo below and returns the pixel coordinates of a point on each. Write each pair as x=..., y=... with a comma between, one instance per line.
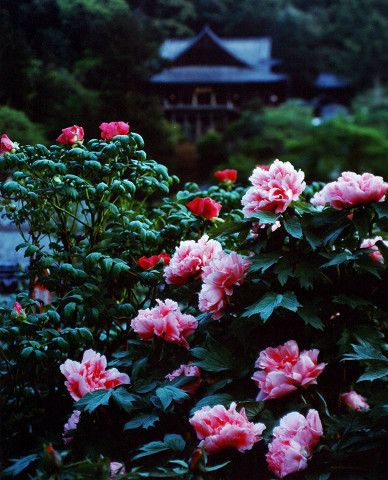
x=91, y=401
x=168, y=393
x=309, y=316
x=265, y=306
x=214, y=358
x=20, y=464
x=264, y=261
x=251, y=408
x=144, y=420
x=292, y=226
x=123, y=399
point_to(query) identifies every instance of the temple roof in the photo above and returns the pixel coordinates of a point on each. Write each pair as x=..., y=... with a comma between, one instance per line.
x=208, y=58
x=216, y=74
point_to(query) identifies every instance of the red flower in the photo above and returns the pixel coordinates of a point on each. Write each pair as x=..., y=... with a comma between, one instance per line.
x=227, y=174
x=110, y=130
x=146, y=263
x=70, y=135
x=205, y=207
x=6, y=145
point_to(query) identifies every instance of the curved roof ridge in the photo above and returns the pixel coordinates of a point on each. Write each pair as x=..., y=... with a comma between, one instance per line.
x=208, y=31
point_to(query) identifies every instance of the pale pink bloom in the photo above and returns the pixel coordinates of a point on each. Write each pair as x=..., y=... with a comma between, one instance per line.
x=6, y=145
x=219, y=277
x=283, y=357
x=283, y=369
x=370, y=243
x=273, y=189
x=165, y=321
x=273, y=384
x=294, y=442
x=285, y=457
x=90, y=375
x=116, y=468
x=188, y=371
x=354, y=401
x=305, y=430
x=220, y=429
x=213, y=299
x=351, y=190
x=189, y=259
x=71, y=425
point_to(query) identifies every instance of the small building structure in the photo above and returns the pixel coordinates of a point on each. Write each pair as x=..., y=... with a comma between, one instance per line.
x=208, y=78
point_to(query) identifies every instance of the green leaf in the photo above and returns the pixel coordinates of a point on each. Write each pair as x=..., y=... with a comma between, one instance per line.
x=91, y=401
x=361, y=222
x=168, y=393
x=265, y=306
x=151, y=449
x=20, y=464
x=284, y=269
x=264, y=217
x=290, y=302
x=214, y=358
x=307, y=313
x=175, y=442
x=144, y=420
x=69, y=309
x=365, y=351
x=170, y=442
x=123, y=399
x=352, y=301
x=381, y=209
x=251, y=408
x=337, y=259
x=292, y=226
x=264, y=261
x=374, y=371
x=92, y=259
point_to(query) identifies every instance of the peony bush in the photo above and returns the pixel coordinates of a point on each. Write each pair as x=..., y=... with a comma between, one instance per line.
x=220, y=333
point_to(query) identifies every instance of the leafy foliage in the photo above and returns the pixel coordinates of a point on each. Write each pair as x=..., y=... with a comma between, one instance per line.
x=92, y=210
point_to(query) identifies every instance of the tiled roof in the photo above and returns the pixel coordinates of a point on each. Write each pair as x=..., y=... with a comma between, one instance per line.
x=251, y=51
x=216, y=74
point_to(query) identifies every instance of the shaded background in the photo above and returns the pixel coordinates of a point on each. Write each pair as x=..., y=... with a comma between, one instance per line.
x=65, y=62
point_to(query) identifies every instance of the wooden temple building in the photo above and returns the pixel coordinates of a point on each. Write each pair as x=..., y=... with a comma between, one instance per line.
x=208, y=78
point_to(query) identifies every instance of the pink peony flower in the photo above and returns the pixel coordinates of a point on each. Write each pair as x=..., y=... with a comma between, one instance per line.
x=228, y=174
x=146, y=263
x=205, y=207
x=274, y=189
x=110, y=130
x=188, y=371
x=370, y=243
x=165, y=321
x=189, y=259
x=354, y=401
x=220, y=429
x=219, y=277
x=90, y=375
x=71, y=135
x=294, y=442
x=351, y=190
x=285, y=457
x=283, y=369
x=70, y=425
x=6, y=145
x=116, y=468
